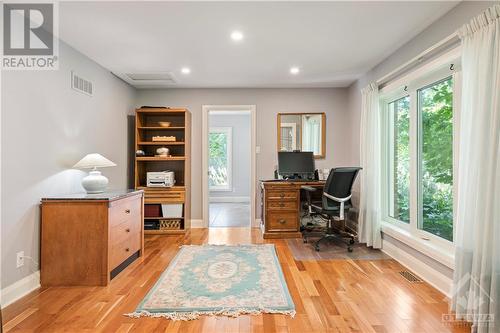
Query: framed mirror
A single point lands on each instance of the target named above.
(302, 131)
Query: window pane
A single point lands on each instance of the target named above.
(399, 159)
(218, 160)
(436, 159)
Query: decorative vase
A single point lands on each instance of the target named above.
(163, 151)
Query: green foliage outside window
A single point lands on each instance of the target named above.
(435, 158)
(217, 165)
(402, 159)
(436, 108)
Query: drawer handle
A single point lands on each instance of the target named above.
(282, 194)
(127, 230)
(127, 211)
(282, 221)
(127, 249)
(282, 204)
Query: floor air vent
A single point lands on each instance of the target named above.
(412, 278)
(81, 85)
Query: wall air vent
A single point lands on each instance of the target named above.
(81, 85)
(148, 79)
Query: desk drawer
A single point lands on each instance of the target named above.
(282, 205)
(121, 251)
(282, 221)
(281, 195)
(120, 232)
(126, 209)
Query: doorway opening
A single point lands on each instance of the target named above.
(229, 171)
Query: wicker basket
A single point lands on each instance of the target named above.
(170, 224)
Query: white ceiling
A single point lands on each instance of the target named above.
(333, 43)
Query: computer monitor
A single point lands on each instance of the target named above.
(296, 164)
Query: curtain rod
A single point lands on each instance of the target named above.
(440, 46)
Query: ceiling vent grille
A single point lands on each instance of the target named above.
(159, 77)
(81, 85)
(148, 79)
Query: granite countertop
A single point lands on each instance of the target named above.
(110, 195)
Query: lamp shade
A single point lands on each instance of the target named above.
(93, 161)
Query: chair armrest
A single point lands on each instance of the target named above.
(339, 200)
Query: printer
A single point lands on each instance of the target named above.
(160, 179)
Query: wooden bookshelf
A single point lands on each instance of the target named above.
(147, 125)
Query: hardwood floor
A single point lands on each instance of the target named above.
(329, 296)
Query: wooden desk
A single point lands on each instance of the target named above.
(280, 208)
(88, 239)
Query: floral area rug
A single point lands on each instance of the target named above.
(219, 280)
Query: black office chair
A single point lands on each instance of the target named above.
(335, 202)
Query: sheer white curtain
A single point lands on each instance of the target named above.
(369, 206)
(477, 241)
(311, 134)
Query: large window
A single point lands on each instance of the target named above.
(418, 119)
(220, 159)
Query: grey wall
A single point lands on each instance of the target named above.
(241, 148)
(46, 128)
(269, 102)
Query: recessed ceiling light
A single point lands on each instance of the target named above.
(294, 70)
(236, 36)
(185, 70)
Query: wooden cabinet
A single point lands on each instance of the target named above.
(281, 208)
(86, 240)
(175, 124)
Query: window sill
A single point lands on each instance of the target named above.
(426, 247)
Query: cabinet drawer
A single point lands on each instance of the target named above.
(121, 251)
(120, 232)
(281, 195)
(282, 221)
(282, 205)
(156, 196)
(126, 209)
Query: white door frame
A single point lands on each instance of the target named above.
(204, 146)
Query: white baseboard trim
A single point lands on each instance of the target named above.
(424, 271)
(19, 289)
(197, 224)
(229, 199)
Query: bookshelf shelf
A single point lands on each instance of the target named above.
(154, 159)
(160, 143)
(161, 128)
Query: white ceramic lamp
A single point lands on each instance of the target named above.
(94, 182)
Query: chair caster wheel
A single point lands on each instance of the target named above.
(316, 248)
(351, 241)
(349, 249)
